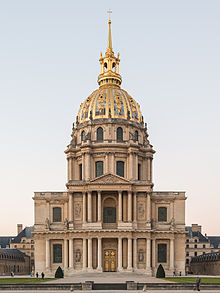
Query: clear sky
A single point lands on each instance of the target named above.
(170, 63)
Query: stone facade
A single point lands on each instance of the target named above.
(13, 260)
(198, 244)
(109, 218)
(24, 241)
(207, 264)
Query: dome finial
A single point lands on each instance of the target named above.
(109, 31)
(109, 64)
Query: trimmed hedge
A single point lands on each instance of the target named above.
(160, 272)
(59, 273)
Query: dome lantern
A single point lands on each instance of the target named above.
(109, 64)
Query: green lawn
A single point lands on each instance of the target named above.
(193, 280)
(14, 280)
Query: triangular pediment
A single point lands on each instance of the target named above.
(110, 179)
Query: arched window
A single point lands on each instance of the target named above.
(98, 168)
(120, 168)
(83, 136)
(162, 214)
(136, 135)
(57, 214)
(100, 134)
(119, 134)
(57, 253)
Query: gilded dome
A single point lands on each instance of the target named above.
(110, 102)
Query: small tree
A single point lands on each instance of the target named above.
(59, 273)
(160, 272)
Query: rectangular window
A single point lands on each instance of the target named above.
(57, 253)
(120, 168)
(80, 171)
(139, 171)
(162, 253)
(57, 215)
(98, 168)
(162, 214)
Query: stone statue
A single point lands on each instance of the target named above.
(47, 223)
(172, 224)
(66, 223)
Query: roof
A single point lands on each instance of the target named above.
(26, 232)
(213, 256)
(5, 240)
(12, 253)
(197, 234)
(215, 241)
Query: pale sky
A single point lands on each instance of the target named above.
(170, 64)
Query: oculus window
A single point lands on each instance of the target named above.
(98, 168)
(100, 134)
(56, 214)
(120, 168)
(57, 253)
(162, 214)
(119, 134)
(162, 253)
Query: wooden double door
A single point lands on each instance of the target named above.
(110, 260)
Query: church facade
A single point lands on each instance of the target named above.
(109, 218)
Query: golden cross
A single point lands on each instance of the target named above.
(109, 11)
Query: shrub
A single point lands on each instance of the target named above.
(59, 273)
(160, 272)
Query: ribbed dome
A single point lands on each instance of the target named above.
(110, 102)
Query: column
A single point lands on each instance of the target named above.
(131, 165)
(129, 206)
(87, 166)
(136, 166)
(71, 207)
(135, 253)
(65, 253)
(107, 163)
(99, 207)
(83, 166)
(129, 254)
(153, 253)
(90, 253)
(171, 254)
(171, 210)
(70, 168)
(148, 169)
(148, 208)
(84, 253)
(89, 206)
(47, 253)
(119, 206)
(148, 254)
(70, 253)
(135, 206)
(84, 207)
(99, 254)
(119, 254)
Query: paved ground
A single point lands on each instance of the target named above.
(112, 291)
(109, 278)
